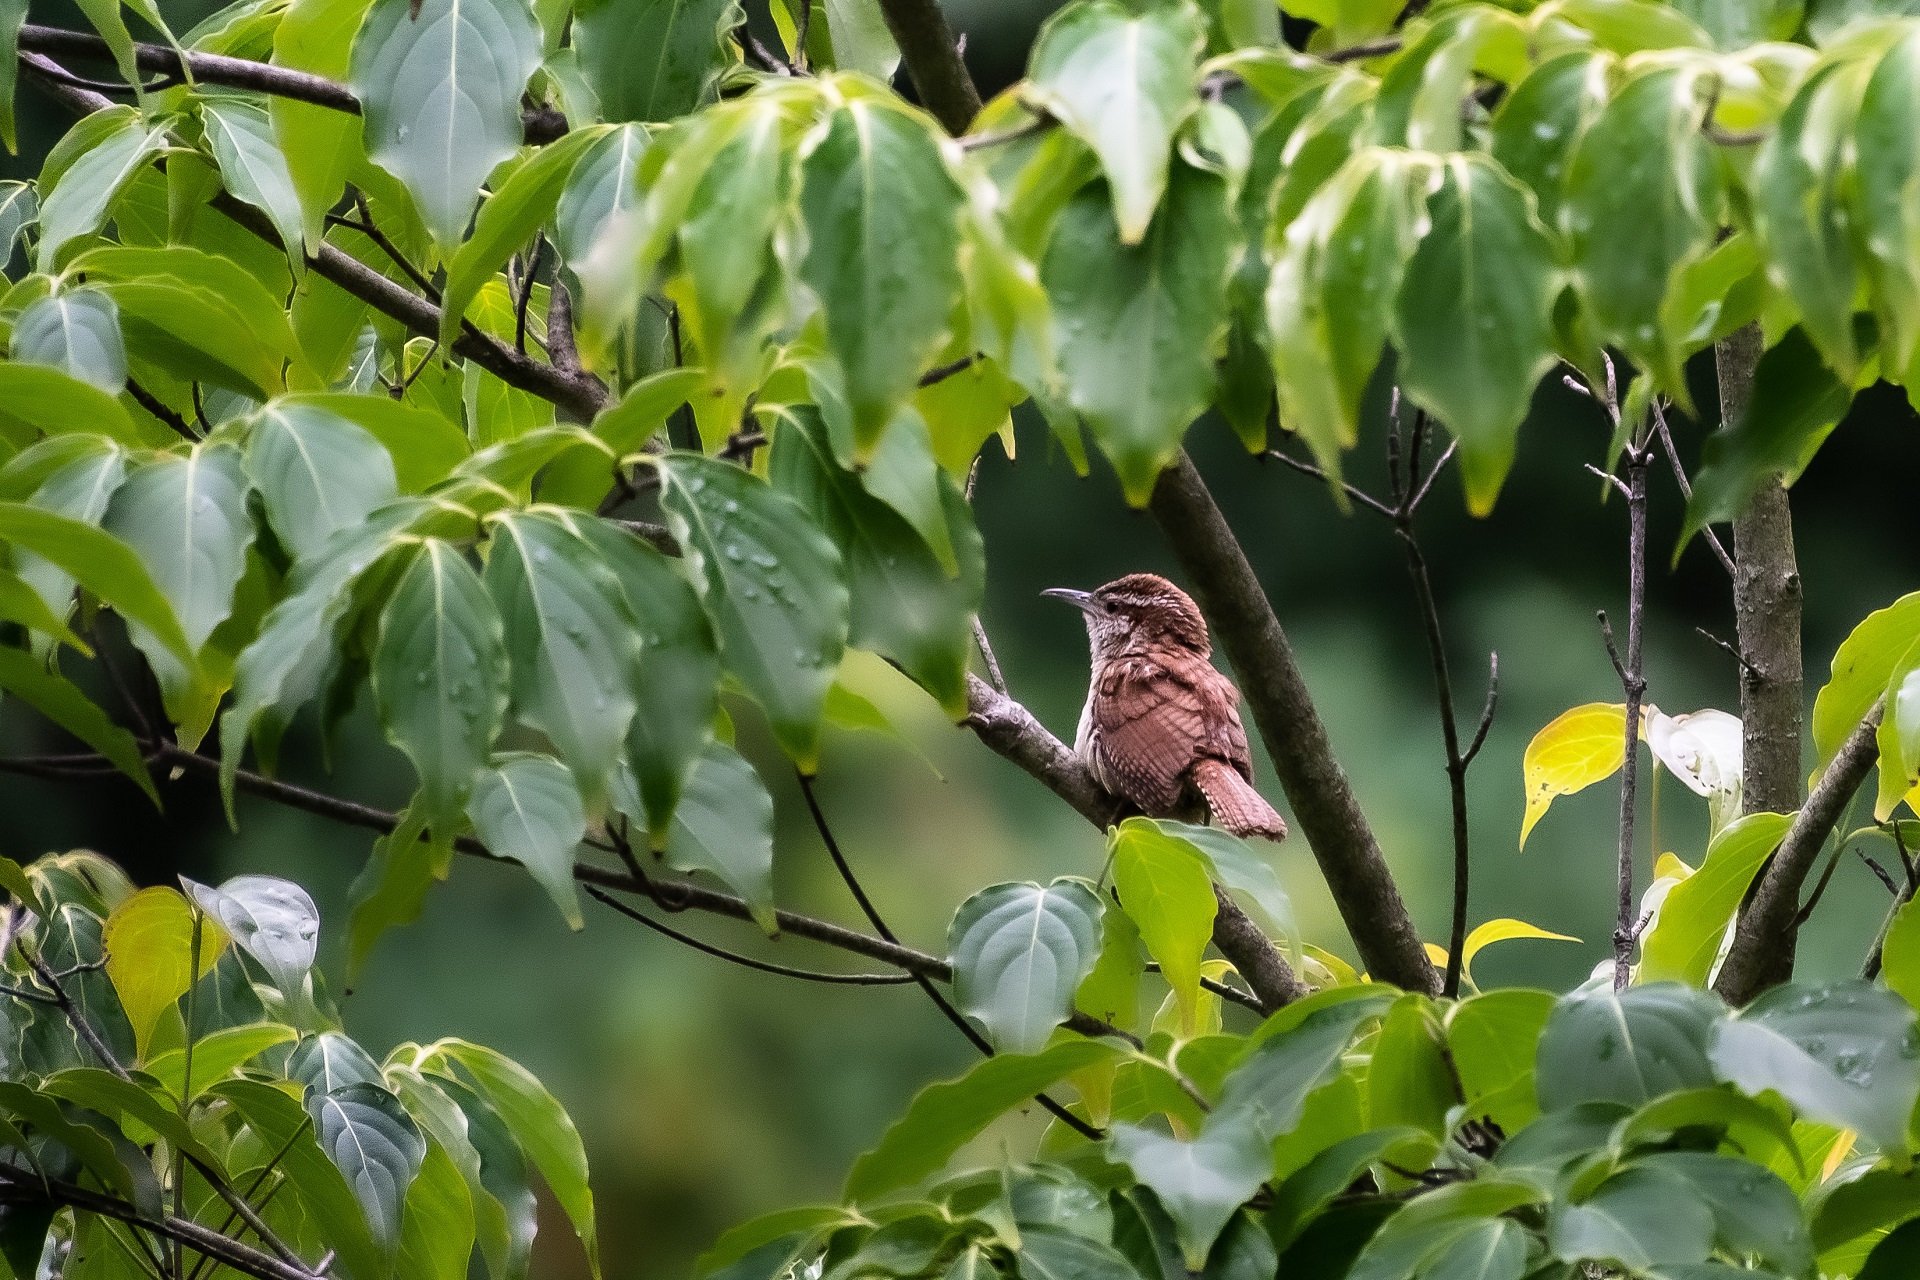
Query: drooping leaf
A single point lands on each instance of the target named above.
(1627, 1046)
(77, 331)
(876, 177)
(1136, 325)
(571, 638)
(1201, 1183)
(1019, 952)
(280, 1124)
(253, 167)
(773, 585)
(1409, 1081)
(103, 565)
(723, 825)
(440, 83)
(61, 701)
(79, 202)
(944, 1116)
(1485, 253)
(1576, 749)
(1164, 886)
(601, 185)
(1122, 82)
(527, 808)
(440, 675)
(1299, 1050)
(651, 59)
(152, 956)
(316, 473)
(320, 145)
(376, 1146)
(1898, 736)
(437, 1228)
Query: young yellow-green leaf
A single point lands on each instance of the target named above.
(723, 825)
(1899, 735)
(440, 675)
(1409, 1081)
(877, 177)
(1019, 953)
(1492, 1038)
(526, 807)
(253, 167)
(53, 402)
(1900, 953)
(773, 584)
(904, 604)
(151, 955)
(1684, 939)
(1474, 319)
(1862, 667)
(102, 564)
(440, 83)
(79, 201)
(316, 473)
(61, 701)
(1137, 324)
(1123, 82)
(1797, 401)
(1644, 190)
(1164, 886)
(321, 145)
(1201, 1183)
(652, 59)
(943, 1117)
(76, 331)
(21, 603)
(1576, 749)
(507, 221)
(437, 1231)
(571, 638)
(1503, 930)
(1238, 866)
(677, 682)
(539, 1126)
(216, 1055)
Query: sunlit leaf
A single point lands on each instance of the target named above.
(1576, 749)
(153, 956)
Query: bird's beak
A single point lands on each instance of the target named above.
(1082, 600)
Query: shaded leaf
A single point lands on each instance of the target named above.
(1019, 952)
(76, 331)
(528, 808)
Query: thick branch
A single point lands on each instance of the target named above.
(933, 60)
(1762, 952)
(540, 124)
(1766, 607)
(1230, 594)
(1010, 730)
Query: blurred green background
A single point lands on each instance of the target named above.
(707, 1094)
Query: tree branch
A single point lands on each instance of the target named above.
(540, 124)
(933, 61)
(1763, 938)
(1230, 595)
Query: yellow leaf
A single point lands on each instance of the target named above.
(1842, 1148)
(1577, 749)
(1436, 956)
(1337, 972)
(1669, 866)
(150, 955)
(1502, 930)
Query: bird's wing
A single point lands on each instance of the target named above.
(1151, 723)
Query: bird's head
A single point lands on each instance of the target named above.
(1139, 612)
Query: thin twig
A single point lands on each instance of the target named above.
(1040, 123)
(940, 373)
(520, 303)
(1665, 436)
(159, 409)
(1731, 652)
(1634, 686)
(748, 962)
(1358, 495)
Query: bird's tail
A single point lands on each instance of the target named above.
(1235, 805)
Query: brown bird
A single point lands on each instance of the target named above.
(1161, 729)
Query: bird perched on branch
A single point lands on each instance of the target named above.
(1161, 729)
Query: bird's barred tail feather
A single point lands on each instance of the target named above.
(1235, 805)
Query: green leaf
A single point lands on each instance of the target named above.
(1797, 401)
(12, 14)
(54, 402)
(78, 332)
(1308, 1191)
(1862, 667)
(1756, 1215)
(1300, 1050)
(102, 564)
(279, 1122)
(773, 585)
(723, 825)
(329, 1062)
(316, 473)
(78, 203)
(1019, 953)
(652, 59)
(1123, 83)
(876, 177)
(440, 675)
(1432, 1229)
(1627, 1046)
(58, 699)
(540, 1126)
(1535, 128)
(1900, 953)
(601, 185)
(440, 84)
(1409, 1078)
(19, 205)
(943, 1117)
(376, 1146)
(903, 602)
(1137, 324)
(1898, 736)
(151, 956)
(1639, 1217)
(253, 167)
(527, 808)
(571, 637)
(1896, 1255)
(1492, 1038)
(430, 1101)
(425, 445)
(1684, 940)
(1844, 1053)
(1882, 202)
(216, 1056)
(1240, 867)
(1201, 1183)
(1057, 1253)
(1644, 190)
(437, 1231)
(1495, 1249)
(1486, 255)
(847, 35)
(321, 146)
(21, 603)
(507, 221)
(1164, 886)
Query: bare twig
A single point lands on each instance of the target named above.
(1730, 651)
(747, 962)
